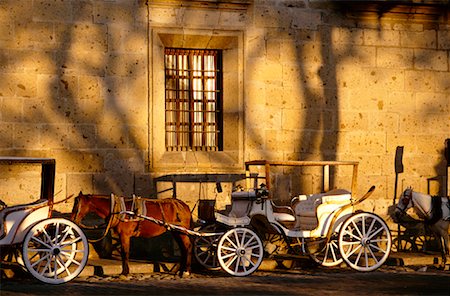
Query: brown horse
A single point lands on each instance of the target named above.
(171, 210)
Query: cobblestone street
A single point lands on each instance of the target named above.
(315, 281)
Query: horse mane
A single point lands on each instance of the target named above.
(436, 210)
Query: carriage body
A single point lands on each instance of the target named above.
(18, 220)
(312, 215)
(53, 250)
(323, 226)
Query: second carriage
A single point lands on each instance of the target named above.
(324, 226)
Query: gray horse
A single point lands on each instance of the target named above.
(434, 211)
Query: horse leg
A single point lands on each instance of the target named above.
(185, 244)
(445, 247)
(125, 253)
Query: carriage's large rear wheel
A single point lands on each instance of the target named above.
(364, 241)
(240, 251)
(55, 251)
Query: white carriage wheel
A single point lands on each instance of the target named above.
(365, 241)
(240, 251)
(205, 249)
(330, 255)
(55, 251)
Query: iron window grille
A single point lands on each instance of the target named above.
(193, 99)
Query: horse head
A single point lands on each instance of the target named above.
(78, 210)
(404, 203)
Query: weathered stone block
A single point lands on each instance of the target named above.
(443, 39)
(424, 81)
(11, 110)
(383, 121)
(126, 65)
(82, 136)
(352, 121)
(6, 130)
(54, 136)
(70, 161)
(342, 35)
(45, 10)
(26, 135)
(418, 39)
(376, 37)
(436, 60)
(433, 102)
(398, 58)
(365, 143)
(200, 18)
(105, 12)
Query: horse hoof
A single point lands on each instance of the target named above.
(184, 273)
(124, 276)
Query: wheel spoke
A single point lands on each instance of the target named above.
(242, 242)
(371, 226)
(352, 235)
(375, 233)
(252, 247)
(231, 242)
(229, 262)
(70, 258)
(354, 250)
(238, 262)
(67, 231)
(46, 267)
(357, 229)
(378, 248)
(366, 256)
(228, 255)
(373, 256)
(34, 238)
(66, 267)
(229, 249)
(363, 226)
(331, 249)
(40, 260)
(358, 257)
(236, 239)
(250, 262)
(345, 243)
(74, 241)
(249, 241)
(44, 231)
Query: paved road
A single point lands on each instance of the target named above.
(316, 281)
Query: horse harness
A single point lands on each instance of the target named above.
(436, 207)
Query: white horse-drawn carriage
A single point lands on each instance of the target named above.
(53, 250)
(323, 226)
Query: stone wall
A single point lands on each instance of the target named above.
(81, 82)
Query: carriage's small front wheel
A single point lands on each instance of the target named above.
(240, 251)
(365, 241)
(205, 248)
(55, 251)
(329, 256)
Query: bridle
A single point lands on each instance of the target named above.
(405, 200)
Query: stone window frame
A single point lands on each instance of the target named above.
(231, 157)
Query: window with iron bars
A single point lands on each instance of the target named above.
(193, 96)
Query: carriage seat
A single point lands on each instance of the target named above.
(283, 213)
(310, 208)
